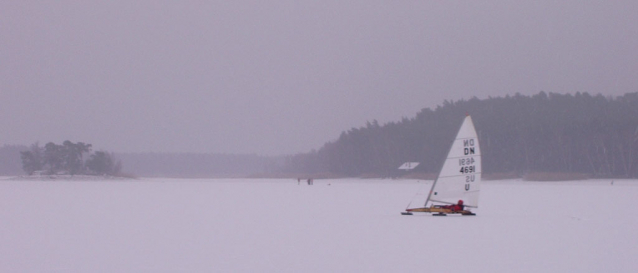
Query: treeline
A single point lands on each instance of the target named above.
(20, 159)
(68, 158)
(581, 133)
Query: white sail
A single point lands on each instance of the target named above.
(460, 176)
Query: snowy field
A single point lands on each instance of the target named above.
(234, 225)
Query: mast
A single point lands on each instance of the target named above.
(443, 165)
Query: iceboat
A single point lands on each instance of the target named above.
(457, 186)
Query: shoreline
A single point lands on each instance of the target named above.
(67, 177)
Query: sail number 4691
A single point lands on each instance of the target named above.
(468, 169)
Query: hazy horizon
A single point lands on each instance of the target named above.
(285, 77)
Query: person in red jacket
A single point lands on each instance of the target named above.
(457, 207)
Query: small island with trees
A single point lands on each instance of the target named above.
(67, 160)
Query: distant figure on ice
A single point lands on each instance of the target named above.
(310, 181)
(298, 181)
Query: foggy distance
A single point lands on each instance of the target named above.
(286, 77)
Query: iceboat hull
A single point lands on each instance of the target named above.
(438, 210)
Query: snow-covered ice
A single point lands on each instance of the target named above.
(349, 225)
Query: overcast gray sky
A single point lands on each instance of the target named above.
(281, 77)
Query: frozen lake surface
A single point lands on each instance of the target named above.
(350, 225)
